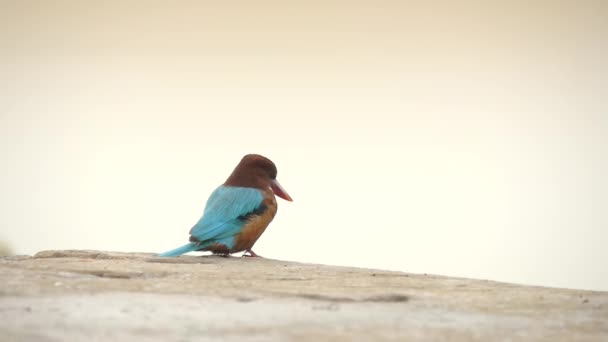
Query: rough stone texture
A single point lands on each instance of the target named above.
(108, 296)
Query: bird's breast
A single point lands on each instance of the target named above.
(255, 224)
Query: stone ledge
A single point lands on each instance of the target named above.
(84, 295)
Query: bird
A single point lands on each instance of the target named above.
(238, 211)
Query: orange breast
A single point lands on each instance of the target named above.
(255, 225)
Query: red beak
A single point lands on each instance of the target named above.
(279, 191)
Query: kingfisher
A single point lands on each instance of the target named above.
(238, 211)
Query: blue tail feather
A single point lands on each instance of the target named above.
(190, 247)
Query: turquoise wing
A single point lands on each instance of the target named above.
(224, 213)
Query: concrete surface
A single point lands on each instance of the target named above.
(110, 296)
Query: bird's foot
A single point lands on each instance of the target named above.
(251, 254)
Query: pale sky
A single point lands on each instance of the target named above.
(459, 139)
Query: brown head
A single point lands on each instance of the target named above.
(255, 171)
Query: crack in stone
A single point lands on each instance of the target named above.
(76, 254)
(388, 298)
(179, 261)
(121, 275)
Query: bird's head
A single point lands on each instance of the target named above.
(256, 171)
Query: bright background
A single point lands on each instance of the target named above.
(456, 138)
